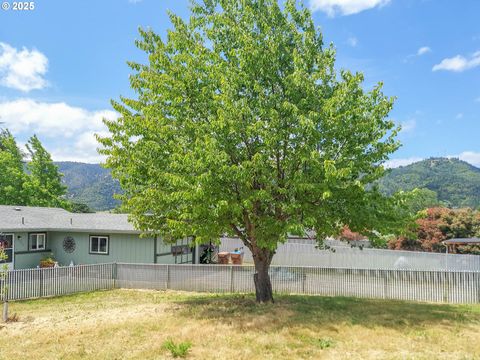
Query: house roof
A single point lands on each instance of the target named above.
(462, 241)
(26, 218)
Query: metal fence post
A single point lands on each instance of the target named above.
(477, 285)
(304, 278)
(385, 285)
(232, 288)
(446, 284)
(168, 277)
(41, 282)
(445, 287)
(115, 275)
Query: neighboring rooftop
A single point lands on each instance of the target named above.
(26, 218)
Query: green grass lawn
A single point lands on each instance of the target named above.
(128, 324)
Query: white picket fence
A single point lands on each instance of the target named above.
(414, 285)
(37, 283)
(304, 254)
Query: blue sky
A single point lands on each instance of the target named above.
(61, 63)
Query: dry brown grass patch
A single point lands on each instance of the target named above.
(128, 324)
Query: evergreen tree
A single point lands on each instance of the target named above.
(12, 176)
(77, 207)
(44, 181)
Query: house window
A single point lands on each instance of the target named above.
(38, 241)
(99, 244)
(182, 251)
(6, 242)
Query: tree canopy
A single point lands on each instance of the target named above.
(44, 181)
(242, 125)
(11, 168)
(437, 224)
(36, 183)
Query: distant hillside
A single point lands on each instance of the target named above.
(90, 184)
(456, 182)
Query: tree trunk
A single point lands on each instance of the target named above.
(263, 285)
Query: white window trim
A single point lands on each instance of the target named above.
(99, 252)
(30, 241)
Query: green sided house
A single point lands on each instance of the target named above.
(29, 234)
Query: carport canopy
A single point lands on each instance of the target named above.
(452, 244)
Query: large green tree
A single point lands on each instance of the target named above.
(421, 199)
(44, 182)
(12, 176)
(242, 125)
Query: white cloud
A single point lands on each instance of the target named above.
(394, 163)
(345, 7)
(84, 149)
(423, 50)
(352, 41)
(22, 69)
(70, 128)
(458, 63)
(50, 119)
(420, 52)
(471, 157)
(408, 125)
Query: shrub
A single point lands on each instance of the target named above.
(325, 343)
(349, 235)
(48, 261)
(177, 350)
(435, 225)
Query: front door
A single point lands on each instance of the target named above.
(6, 241)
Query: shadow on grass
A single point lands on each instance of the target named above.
(319, 312)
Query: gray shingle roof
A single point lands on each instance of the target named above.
(26, 218)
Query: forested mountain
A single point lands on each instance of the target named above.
(90, 184)
(456, 182)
